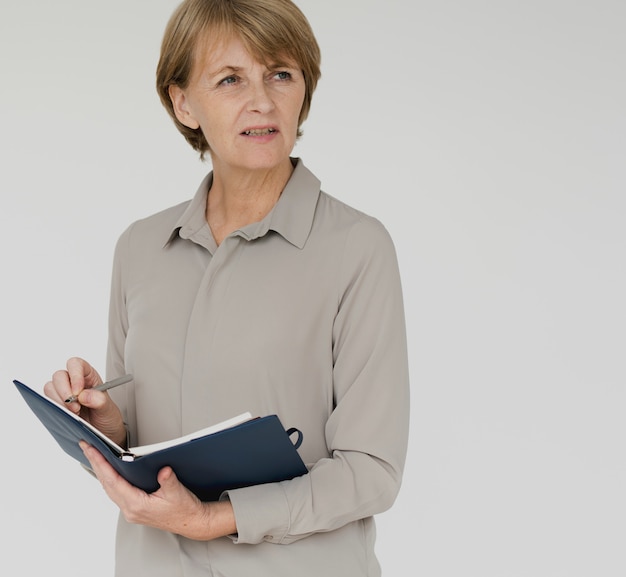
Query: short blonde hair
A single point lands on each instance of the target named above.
(270, 29)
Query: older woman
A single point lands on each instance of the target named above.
(261, 294)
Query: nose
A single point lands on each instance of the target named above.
(260, 98)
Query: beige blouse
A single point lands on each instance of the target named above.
(301, 315)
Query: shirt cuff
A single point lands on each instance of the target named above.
(261, 513)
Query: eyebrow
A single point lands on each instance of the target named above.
(270, 66)
(225, 69)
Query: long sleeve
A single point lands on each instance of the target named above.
(118, 329)
(367, 431)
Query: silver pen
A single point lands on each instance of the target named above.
(104, 386)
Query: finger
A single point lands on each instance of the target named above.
(116, 487)
(166, 477)
(92, 399)
(170, 488)
(82, 375)
(59, 388)
(105, 473)
(92, 455)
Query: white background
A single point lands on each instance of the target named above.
(490, 138)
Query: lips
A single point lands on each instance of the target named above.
(259, 131)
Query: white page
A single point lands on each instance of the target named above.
(146, 449)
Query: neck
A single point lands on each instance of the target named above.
(238, 198)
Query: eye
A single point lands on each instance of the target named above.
(283, 75)
(228, 80)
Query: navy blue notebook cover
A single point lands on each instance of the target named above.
(251, 453)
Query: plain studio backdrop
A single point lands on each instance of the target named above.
(488, 136)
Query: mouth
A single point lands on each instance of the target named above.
(259, 131)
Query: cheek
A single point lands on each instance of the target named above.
(213, 128)
(295, 106)
(300, 104)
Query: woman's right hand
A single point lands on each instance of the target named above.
(96, 407)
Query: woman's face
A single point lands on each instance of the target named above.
(248, 111)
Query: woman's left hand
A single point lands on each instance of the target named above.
(171, 508)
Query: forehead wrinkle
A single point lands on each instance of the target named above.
(213, 41)
(226, 68)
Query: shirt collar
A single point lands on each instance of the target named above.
(291, 217)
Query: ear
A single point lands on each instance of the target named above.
(181, 106)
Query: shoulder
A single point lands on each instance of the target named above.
(155, 229)
(338, 219)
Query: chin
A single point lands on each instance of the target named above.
(265, 161)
